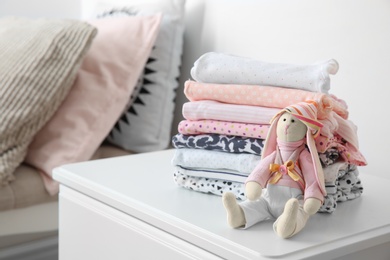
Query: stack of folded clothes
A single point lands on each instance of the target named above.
(231, 103)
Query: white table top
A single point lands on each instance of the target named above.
(142, 185)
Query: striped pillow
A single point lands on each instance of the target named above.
(39, 60)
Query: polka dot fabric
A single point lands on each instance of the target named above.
(188, 127)
(265, 96)
(254, 95)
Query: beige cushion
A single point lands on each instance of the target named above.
(28, 189)
(39, 60)
(108, 150)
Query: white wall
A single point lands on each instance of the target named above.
(41, 8)
(354, 32)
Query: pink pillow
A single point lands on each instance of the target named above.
(101, 91)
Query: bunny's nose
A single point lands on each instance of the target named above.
(286, 128)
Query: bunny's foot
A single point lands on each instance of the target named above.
(235, 215)
(286, 224)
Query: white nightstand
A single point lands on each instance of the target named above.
(129, 208)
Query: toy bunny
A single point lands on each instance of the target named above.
(290, 171)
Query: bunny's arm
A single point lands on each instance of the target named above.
(261, 173)
(312, 188)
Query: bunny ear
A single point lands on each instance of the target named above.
(270, 141)
(318, 171)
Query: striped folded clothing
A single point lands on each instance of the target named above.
(208, 109)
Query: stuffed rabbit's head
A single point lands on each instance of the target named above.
(290, 129)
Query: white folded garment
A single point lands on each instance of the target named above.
(212, 174)
(223, 68)
(199, 159)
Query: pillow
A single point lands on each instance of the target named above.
(146, 124)
(38, 64)
(103, 86)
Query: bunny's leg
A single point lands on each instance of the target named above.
(292, 220)
(235, 215)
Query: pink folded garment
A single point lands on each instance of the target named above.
(266, 96)
(188, 127)
(336, 125)
(208, 109)
(341, 134)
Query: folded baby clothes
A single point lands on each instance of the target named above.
(224, 68)
(231, 103)
(346, 151)
(334, 124)
(218, 174)
(208, 109)
(347, 187)
(209, 185)
(198, 159)
(217, 142)
(265, 96)
(208, 126)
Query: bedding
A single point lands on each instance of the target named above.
(147, 122)
(224, 68)
(39, 59)
(27, 189)
(98, 96)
